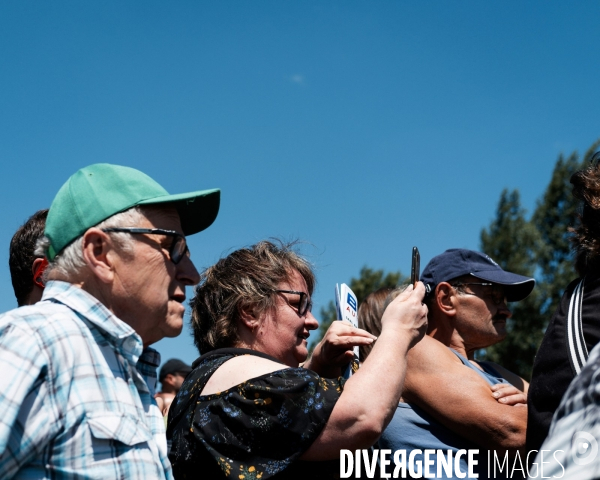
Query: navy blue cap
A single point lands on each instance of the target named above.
(456, 262)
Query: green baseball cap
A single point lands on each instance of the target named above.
(99, 191)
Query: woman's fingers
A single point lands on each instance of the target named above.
(345, 336)
(417, 292)
(407, 310)
(344, 328)
(406, 293)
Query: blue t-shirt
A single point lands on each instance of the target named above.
(412, 428)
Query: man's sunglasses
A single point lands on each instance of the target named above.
(304, 306)
(178, 247)
(496, 292)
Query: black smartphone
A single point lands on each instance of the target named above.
(415, 269)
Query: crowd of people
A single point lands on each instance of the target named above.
(102, 274)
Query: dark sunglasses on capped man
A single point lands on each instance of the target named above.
(178, 247)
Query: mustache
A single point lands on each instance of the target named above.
(499, 317)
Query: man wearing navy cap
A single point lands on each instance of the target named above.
(451, 401)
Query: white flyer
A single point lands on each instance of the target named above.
(347, 309)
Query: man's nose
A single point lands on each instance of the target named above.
(503, 309)
(186, 272)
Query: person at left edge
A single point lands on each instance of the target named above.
(78, 378)
(27, 269)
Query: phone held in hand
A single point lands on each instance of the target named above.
(415, 269)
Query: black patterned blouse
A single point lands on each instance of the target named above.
(255, 430)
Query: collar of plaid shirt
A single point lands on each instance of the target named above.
(120, 335)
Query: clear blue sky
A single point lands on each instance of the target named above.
(363, 128)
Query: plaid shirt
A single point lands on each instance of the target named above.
(572, 446)
(76, 393)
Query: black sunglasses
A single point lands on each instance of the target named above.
(305, 304)
(178, 247)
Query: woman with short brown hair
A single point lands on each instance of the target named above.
(248, 410)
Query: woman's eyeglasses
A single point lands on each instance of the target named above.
(178, 247)
(305, 304)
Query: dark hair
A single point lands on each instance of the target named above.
(586, 235)
(246, 277)
(21, 256)
(370, 312)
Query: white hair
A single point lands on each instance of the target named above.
(70, 262)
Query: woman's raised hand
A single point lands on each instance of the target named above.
(407, 312)
(335, 350)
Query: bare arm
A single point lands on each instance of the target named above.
(160, 402)
(371, 395)
(459, 399)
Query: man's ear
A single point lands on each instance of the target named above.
(35, 264)
(98, 254)
(37, 270)
(445, 298)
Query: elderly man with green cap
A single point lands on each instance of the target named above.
(78, 378)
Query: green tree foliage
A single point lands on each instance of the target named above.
(554, 214)
(538, 247)
(513, 241)
(367, 282)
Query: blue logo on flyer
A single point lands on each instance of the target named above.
(351, 301)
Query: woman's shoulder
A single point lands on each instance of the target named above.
(239, 369)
